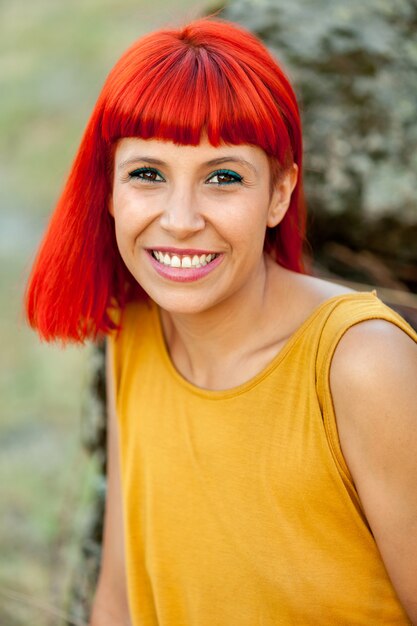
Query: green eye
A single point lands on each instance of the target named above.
(224, 177)
(147, 174)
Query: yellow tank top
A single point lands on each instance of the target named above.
(239, 509)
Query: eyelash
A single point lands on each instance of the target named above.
(137, 174)
(236, 178)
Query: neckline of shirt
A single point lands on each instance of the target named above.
(221, 394)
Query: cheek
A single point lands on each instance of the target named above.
(127, 233)
(129, 218)
(123, 228)
(127, 229)
(248, 224)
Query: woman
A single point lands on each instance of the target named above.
(262, 423)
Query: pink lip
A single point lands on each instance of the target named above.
(183, 275)
(182, 251)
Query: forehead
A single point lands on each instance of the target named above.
(131, 149)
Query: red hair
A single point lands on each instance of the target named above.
(209, 76)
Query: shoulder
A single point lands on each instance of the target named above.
(373, 382)
(309, 291)
(373, 378)
(372, 353)
(134, 334)
(373, 373)
(302, 295)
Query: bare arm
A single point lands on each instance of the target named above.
(374, 386)
(110, 607)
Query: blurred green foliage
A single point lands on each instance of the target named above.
(54, 57)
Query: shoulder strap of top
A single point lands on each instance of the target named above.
(344, 314)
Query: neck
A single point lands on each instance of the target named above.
(207, 348)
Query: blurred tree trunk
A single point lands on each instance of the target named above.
(354, 68)
(94, 442)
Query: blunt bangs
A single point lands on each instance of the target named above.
(179, 88)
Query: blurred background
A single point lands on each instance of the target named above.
(54, 57)
(354, 67)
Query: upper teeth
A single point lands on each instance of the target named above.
(187, 261)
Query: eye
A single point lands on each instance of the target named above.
(147, 174)
(224, 177)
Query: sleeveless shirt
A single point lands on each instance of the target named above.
(239, 508)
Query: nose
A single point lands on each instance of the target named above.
(181, 216)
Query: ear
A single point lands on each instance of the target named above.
(281, 196)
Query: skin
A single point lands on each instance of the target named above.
(374, 367)
(373, 382)
(186, 208)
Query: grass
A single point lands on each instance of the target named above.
(54, 57)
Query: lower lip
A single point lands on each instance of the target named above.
(184, 275)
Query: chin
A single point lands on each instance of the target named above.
(184, 305)
(182, 301)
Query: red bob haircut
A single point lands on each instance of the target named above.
(210, 77)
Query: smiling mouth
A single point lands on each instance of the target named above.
(183, 261)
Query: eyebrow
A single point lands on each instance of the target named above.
(137, 158)
(232, 159)
(219, 161)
